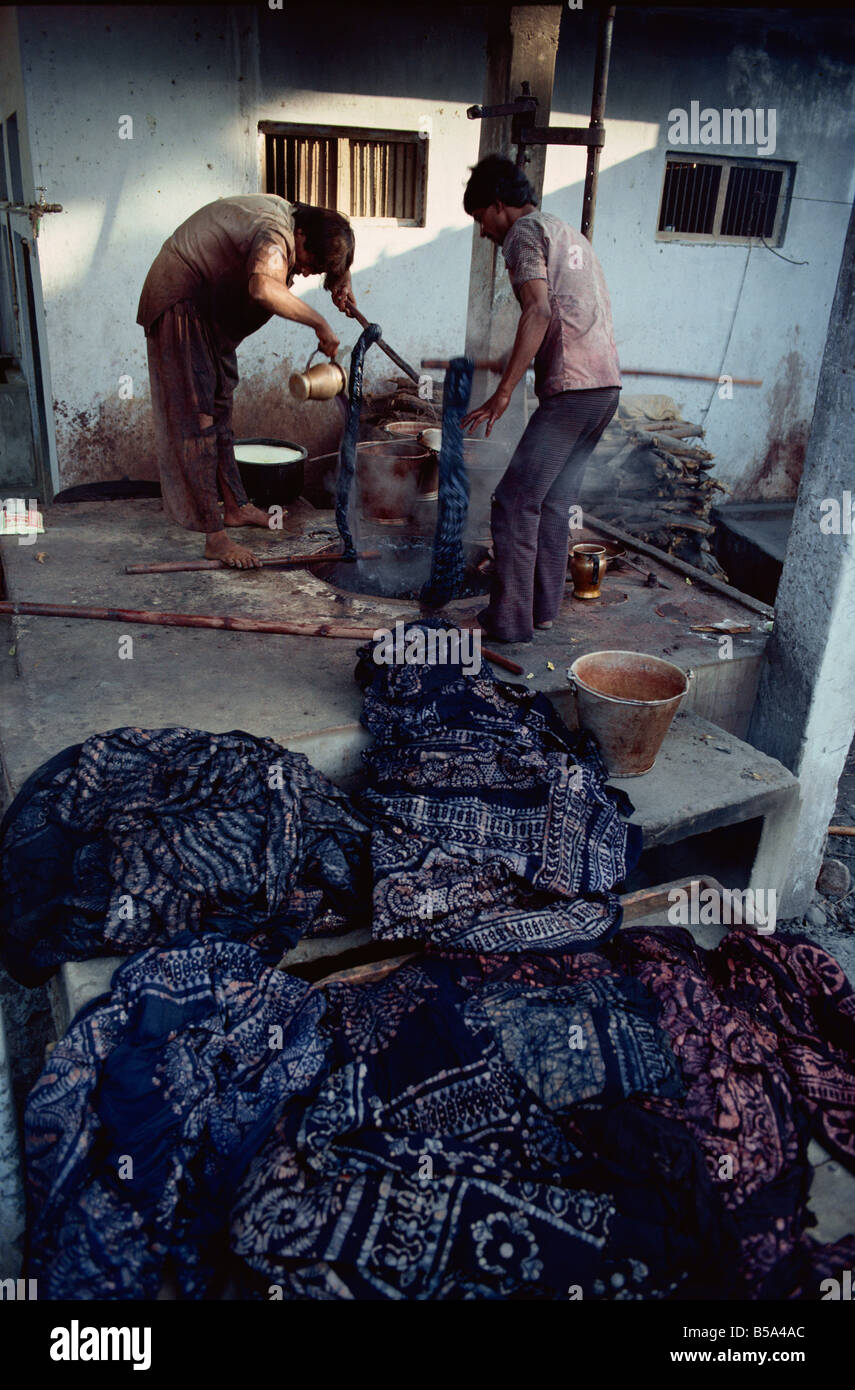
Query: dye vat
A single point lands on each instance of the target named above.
(399, 570)
(391, 476)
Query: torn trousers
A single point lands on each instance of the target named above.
(193, 375)
(530, 512)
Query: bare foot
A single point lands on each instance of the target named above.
(218, 546)
(247, 515)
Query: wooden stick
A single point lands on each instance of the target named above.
(690, 571)
(841, 830)
(271, 562)
(225, 622)
(689, 376)
(354, 313)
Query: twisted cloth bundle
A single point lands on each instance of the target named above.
(448, 565)
(347, 453)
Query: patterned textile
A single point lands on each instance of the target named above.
(764, 1031)
(148, 1111)
(448, 562)
(136, 836)
(347, 452)
(404, 1139)
(492, 826)
(503, 1126)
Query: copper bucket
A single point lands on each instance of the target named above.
(627, 700)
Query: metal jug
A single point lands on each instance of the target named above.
(318, 383)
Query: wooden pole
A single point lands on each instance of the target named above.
(384, 347)
(272, 562)
(690, 571)
(689, 376)
(224, 622)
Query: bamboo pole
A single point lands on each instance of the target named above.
(225, 622)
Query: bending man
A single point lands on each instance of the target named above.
(566, 326)
(218, 278)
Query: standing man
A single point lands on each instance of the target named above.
(566, 326)
(218, 278)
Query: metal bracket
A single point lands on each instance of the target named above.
(593, 135)
(35, 211)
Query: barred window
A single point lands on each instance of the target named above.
(724, 200)
(377, 174)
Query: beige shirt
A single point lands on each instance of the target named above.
(578, 352)
(210, 257)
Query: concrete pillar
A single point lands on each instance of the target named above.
(804, 714)
(522, 41)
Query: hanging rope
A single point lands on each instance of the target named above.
(347, 453)
(449, 565)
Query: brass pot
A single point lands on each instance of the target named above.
(319, 383)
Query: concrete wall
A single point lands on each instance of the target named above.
(197, 80)
(28, 456)
(705, 308)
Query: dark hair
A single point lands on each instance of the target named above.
(497, 179)
(329, 240)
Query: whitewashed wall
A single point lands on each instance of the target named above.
(197, 81)
(676, 305)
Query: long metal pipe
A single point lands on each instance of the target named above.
(598, 107)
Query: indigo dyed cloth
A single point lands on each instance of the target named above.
(148, 1111)
(492, 825)
(137, 836)
(404, 1139)
(448, 563)
(347, 452)
(503, 1126)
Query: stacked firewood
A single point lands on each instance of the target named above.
(402, 402)
(647, 478)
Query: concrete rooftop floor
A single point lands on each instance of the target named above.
(63, 678)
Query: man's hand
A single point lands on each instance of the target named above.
(343, 297)
(327, 341)
(487, 414)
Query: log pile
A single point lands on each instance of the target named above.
(646, 477)
(402, 402)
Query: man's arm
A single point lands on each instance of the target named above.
(267, 285)
(531, 331)
(273, 294)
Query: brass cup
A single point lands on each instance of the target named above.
(587, 566)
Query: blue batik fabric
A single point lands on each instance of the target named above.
(454, 1130)
(347, 452)
(492, 824)
(148, 1112)
(139, 835)
(448, 562)
(434, 1161)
